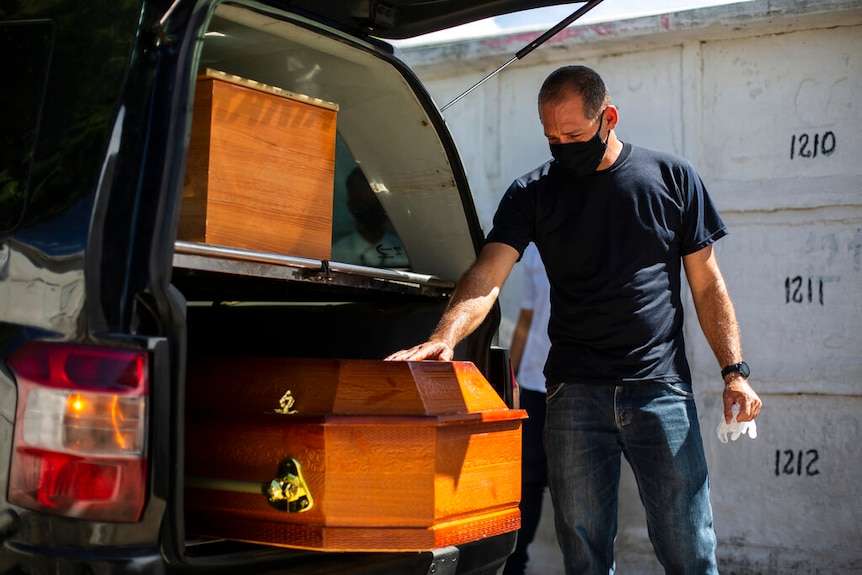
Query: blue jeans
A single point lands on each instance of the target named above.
(655, 427)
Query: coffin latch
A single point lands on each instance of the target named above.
(289, 491)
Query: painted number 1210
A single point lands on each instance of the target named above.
(812, 145)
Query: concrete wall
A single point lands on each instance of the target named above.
(765, 98)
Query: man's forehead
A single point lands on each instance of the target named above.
(564, 111)
(561, 94)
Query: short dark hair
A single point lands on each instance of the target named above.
(580, 80)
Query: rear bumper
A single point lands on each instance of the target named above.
(17, 558)
(485, 557)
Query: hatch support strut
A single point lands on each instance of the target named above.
(530, 47)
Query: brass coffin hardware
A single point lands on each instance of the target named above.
(286, 404)
(288, 491)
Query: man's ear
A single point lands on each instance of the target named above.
(612, 116)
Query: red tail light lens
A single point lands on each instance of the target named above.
(86, 487)
(80, 433)
(81, 367)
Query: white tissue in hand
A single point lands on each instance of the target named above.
(736, 428)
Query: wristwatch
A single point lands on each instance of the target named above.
(740, 368)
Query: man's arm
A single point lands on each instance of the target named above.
(476, 292)
(718, 322)
(519, 338)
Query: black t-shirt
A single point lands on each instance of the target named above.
(612, 244)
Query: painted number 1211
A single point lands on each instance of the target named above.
(799, 290)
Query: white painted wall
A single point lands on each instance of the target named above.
(743, 91)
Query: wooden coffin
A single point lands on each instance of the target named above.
(260, 169)
(349, 455)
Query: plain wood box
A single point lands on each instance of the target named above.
(260, 169)
(393, 456)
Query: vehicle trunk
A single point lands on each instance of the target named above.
(248, 304)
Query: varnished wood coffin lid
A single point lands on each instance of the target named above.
(398, 456)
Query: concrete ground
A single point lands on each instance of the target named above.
(545, 556)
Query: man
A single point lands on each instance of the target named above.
(530, 345)
(615, 224)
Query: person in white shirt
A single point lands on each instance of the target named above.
(529, 350)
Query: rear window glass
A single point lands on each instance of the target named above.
(25, 49)
(362, 232)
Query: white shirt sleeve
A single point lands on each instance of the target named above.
(536, 296)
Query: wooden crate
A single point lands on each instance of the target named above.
(260, 169)
(394, 456)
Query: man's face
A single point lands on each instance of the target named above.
(564, 121)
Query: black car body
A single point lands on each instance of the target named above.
(98, 297)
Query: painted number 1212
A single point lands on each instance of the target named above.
(800, 463)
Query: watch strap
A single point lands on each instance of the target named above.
(740, 368)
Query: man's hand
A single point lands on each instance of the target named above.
(740, 392)
(474, 296)
(429, 350)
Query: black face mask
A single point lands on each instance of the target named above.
(581, 158)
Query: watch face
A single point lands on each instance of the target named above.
(744, 369)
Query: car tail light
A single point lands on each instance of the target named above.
(80, 431)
